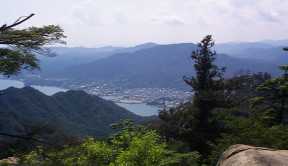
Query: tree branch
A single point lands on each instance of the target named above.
(20, 20)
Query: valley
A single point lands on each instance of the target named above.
(147, 75)
(143, 83)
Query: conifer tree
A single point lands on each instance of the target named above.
(208, 83)
(192, 122)
(19, 47)
(273, 98)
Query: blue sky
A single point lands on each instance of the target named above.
(92, 23)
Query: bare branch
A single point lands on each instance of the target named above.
(19, 21)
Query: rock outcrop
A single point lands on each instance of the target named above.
(243, 155)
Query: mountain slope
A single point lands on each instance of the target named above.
(159, 66)
(257, 51)
(72, 56)
(72, 113)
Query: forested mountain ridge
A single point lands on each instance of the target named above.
(71, 113)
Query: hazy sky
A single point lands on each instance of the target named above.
(127, 22)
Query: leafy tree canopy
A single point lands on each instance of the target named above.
(132, 146)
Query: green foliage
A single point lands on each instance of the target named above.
(122, 139)
(130, 147)
(13, 61)
(91, 152)
(207, 73)
(183, 159)
(248, 131)
(99, 153)
(33, 37)
(272, 99)
(143, 151)
(23, 46)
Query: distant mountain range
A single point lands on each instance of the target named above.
(270, 52)
(72, 113)
(63, 57)
(165, 65)
(154, 65)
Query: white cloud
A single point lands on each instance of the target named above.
(169, 20)
(122, 22)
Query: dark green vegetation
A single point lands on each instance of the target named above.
(246, 109)
(55, 120)
(132, 146)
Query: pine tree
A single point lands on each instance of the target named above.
(192, 122)
(208, 83)
(273, 98)
(22, 45)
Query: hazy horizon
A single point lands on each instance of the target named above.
(267, 41)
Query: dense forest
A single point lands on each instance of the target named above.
(249, 109)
